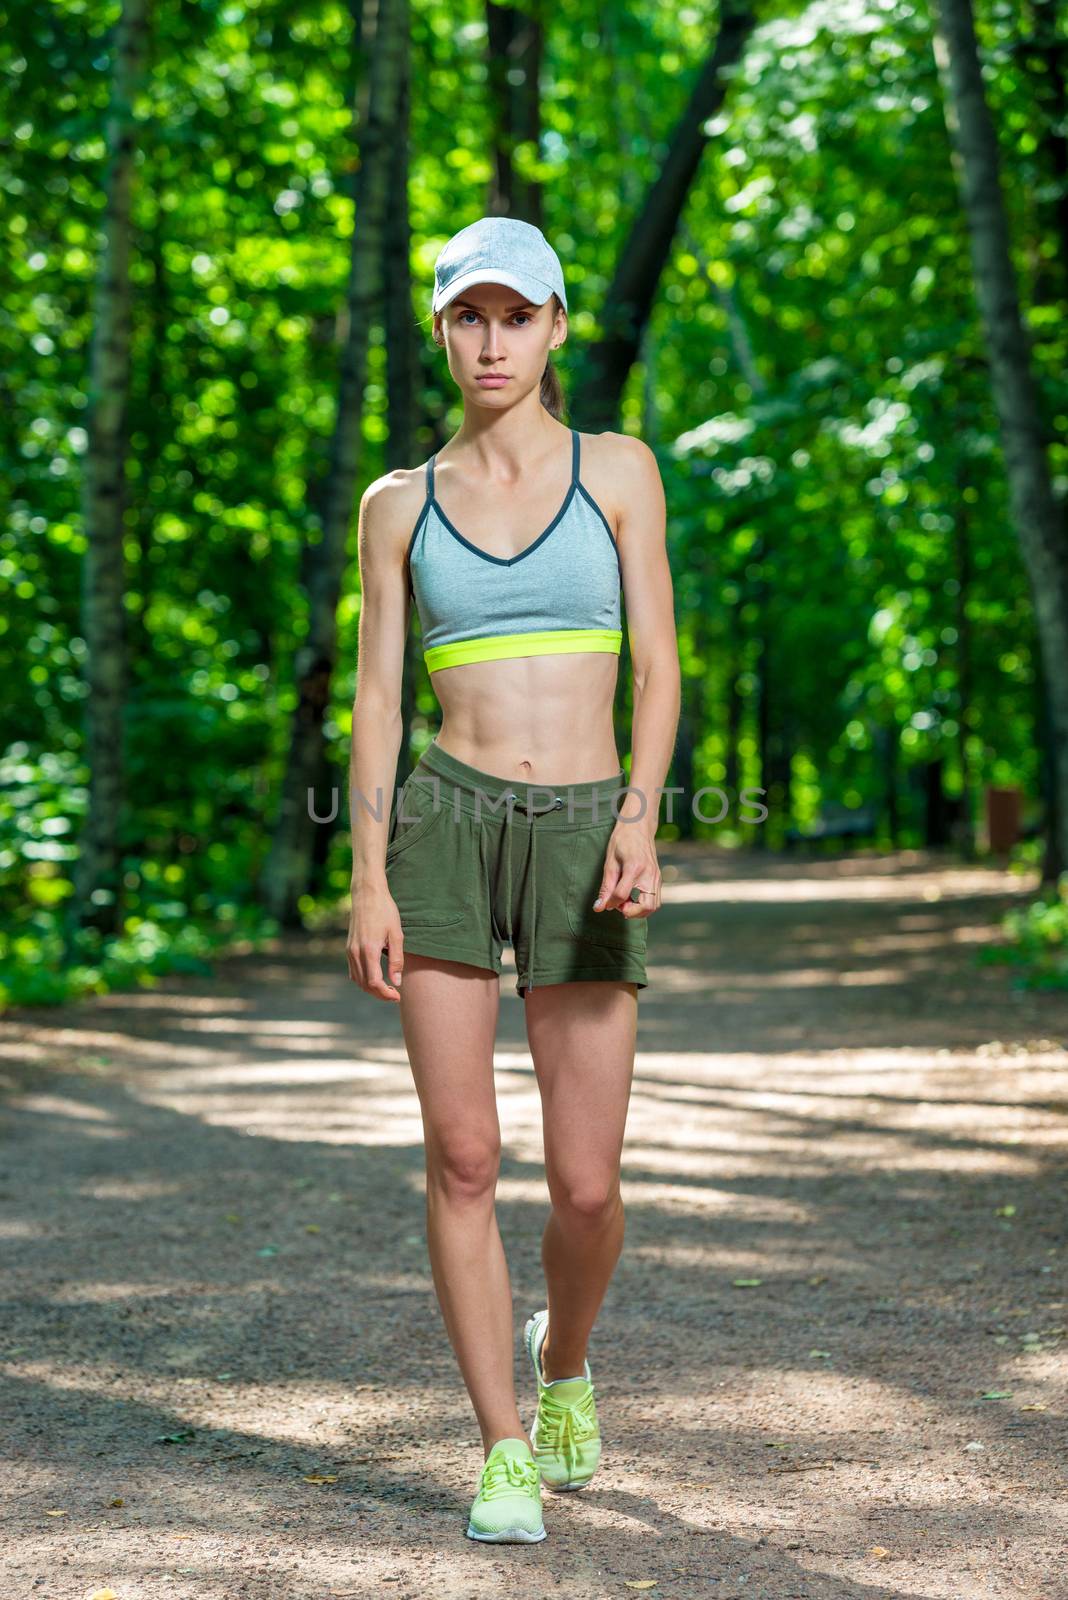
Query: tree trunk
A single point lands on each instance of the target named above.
(1053, 862)
(762, 675)
(885, 739)
(734, 652)
(1039, 520)
(403, 378)
(285, 874)
(969, 787)
(935, 805)
(683, 760)
(515, 41)
(97, 876)
(604, 366)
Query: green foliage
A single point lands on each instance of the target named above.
(181, 908)
(35, 969)
(1037, 940)
(813, 381)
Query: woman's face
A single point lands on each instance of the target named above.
(497, 342)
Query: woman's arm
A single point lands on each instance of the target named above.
(654, 652)
(377, 726)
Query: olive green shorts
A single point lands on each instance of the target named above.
(475, 862)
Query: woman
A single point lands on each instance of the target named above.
(516, 826)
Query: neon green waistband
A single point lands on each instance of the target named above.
(498, 646)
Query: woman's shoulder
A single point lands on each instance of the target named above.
(612, 450)
(396, 488)
(390, 504)
(616, 468)
(390, 507)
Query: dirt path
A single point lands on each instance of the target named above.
(225, 1370)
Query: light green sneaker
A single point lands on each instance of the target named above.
(507, 1507)
(566, 1437)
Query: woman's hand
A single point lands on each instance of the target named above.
(629, 862)
(374, 926)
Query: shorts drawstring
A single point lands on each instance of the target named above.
(554, 805)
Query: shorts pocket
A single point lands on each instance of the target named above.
(428, 865)
(414, 815)
(609, 927)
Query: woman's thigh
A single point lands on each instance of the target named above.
(449, 1021)
(582, 1038)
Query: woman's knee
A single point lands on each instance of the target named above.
(590, 1197)
(465, 1167)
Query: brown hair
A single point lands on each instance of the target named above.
(552, 394)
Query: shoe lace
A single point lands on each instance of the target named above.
(505, 1474)
(563, 1426)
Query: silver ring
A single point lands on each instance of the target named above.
(635, 892)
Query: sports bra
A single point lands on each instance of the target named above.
(560, 594)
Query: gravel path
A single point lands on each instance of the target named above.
(830, 1365)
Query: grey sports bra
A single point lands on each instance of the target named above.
(560, 594)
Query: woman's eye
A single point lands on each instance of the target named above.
(465, 314)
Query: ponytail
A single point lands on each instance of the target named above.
(552, 394)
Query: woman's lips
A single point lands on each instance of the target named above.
(492, 381)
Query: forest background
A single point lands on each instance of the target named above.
(816, 257)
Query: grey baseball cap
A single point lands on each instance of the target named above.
(499, 250)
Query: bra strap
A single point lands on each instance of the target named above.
(574, 456)
(429, 497)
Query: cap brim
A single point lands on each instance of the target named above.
(532, 289)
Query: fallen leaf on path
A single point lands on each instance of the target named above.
(746, 1283)
(640, 1583)
(879, 1550)
(997, 1394)
(319, 1477)
(55, 1513)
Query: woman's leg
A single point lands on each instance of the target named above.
(582, 1037)
(449, 1020)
